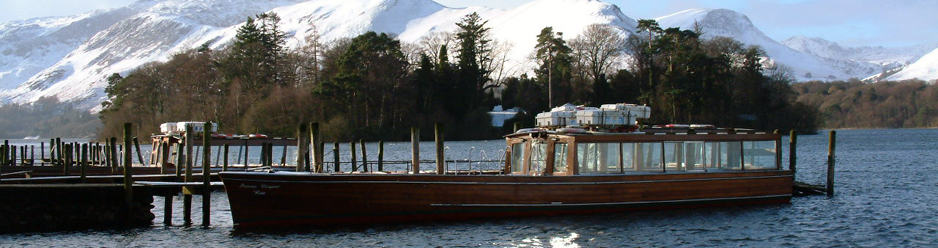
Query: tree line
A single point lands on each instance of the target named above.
(47, 117)
(374, 87)
(855, 104)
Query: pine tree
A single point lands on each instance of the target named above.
(474, 51)
(556, 65)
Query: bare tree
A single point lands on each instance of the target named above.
(430, 44)
(311, 56)
(598, 48)
(499, 71)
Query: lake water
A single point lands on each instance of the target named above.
(885, 197)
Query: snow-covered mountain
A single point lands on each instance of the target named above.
(889, 60)
(728, 23)
(925, 68)
(70, 57)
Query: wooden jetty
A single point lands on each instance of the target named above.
(168, 172)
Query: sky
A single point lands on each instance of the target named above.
(889, 23)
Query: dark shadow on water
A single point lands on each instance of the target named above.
(614, 219)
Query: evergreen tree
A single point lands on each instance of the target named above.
(474, 52)
(555, 66)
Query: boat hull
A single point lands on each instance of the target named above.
(315, 199)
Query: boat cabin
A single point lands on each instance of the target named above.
(563, 153)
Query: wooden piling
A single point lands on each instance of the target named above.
(164, 156)
(415, 149)
(354, 158)
(180, 161)
(167, 210)
(114, 157)
(107, 153)
(831, 146)
(187, 195)
(317, 147)
(128, 165)
(83, 167)
(335, 156)
(58, 152)
(66, 159)
(380, 155)
(42, 153)
(139, 154)
(364, 156)
(302, 145)
(3, 153)
(225, 160)
(438, 138)
(13, 152)
(206, 174)
(792, 153)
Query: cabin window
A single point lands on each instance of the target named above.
(629, 162)
(648, 156)
(593, 158)
(674, 156)
(695, 156)
(707, 155)
(517, 157)
(538, 158)
(731, 155)
(759, 155)
(560, 157)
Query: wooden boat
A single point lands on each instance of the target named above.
(546, 172)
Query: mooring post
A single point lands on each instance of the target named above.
(139, 154)
(12, 150)
(66, 159)
(354, 158)
(438, 134)
(107, 153)
(84, 162)
(164, 156)
(335, 156)
(58, 151)
(302, 145)
(831, 146)
(4, 153)
(42, 153)
(128, 165)
(180, 161)
(380, 155)
(114, 163)
(792, 153)
(225, 160)
(52, 152)
(364, 156)
(317, 147)
(168, 210)
(415, 149)
(206, 174)
(187, 194)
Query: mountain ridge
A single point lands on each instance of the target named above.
(72, 64)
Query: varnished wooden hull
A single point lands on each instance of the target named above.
(276, 199)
